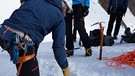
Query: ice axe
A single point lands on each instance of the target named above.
(101, 39)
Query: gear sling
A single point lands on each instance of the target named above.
(20, 48)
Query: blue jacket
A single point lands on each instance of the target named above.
(37, 18)
(57, 3)
(118, 3)
(29, 21)
(22, 0)
(85, 2)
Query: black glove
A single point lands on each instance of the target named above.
(108, 11)
(124, 10)
(85, 11)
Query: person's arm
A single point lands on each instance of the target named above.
(87, 3)
(86, 7)
(109, 6)
(125, 5)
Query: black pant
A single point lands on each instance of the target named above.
(69, 34)
(116, 14)
(74, 33)
(30, 67)
(79, 24)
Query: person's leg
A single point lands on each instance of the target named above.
(36, 49)
(74, 33)
(117, 26)
(110, 24)
(69, 36)
(79, 22)
(80, 25)
(29, 68)
(29, 64)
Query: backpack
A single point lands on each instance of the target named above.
(108, 40)
(95, 36)
(128, 36)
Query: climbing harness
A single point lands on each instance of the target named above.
(17, 46)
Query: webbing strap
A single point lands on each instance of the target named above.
(21, 63)
(4, 33)
(5, 44)
(26, 58)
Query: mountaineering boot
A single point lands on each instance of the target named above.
(88, 52)
(69, 53)
(66, 72)
(115, 37)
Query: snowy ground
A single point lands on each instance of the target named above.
(79, 64)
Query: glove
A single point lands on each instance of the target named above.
(66, 71)
(85, 11)
(124, 10)
(108, 11)
(22, 3)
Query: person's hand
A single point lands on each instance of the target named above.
(85, 11)
(64, 9)
(124, 10)
(22, 3)
(66, 71)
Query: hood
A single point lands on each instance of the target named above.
(56, 3)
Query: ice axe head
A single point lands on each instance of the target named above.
(97, 23)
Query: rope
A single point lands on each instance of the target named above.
(123, 61)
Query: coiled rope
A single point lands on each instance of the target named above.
(123, 61)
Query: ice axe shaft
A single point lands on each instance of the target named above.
(101, 41)
(101, 37)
